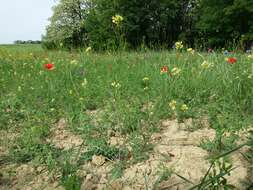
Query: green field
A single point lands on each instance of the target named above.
(99, 116)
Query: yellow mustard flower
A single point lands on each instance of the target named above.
(73, 62)
(117, 19)
(184, 108)
(115, 84)
(175, 71)
(145, 79)
(84, 83)
(206, 65)
(190, 50)
(173, 104)
(250, 56)
(179, 45)
(88, 49)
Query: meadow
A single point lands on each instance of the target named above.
(125, 120)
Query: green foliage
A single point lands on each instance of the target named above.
(224, 22)
(69, 179)
(100, 147)
(66, 27)
(151, 23)
(33, 99)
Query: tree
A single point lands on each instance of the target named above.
(148, 21)
(222, 22)
(67, 24)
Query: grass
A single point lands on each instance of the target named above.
(129, 91)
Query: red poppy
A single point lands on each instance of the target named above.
(231, 60)
(49, 66)
(164, 69)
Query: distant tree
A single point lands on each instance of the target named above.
(155, 23)
(67, 24)
(224, 21)
(27, 42)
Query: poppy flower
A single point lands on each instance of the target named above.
(231, 60)
(164, 69)
(49, 66)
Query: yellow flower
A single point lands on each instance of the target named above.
(115, 84)
(179, 45)
(84, 83)
(190, 50)
(206, 65)
(73, 62)
(173, 104)
(250, 56)
(88, 49)
(145, 79)
(184, 108)
(175, 71)
(117, 19)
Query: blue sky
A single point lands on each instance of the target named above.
(24, 19)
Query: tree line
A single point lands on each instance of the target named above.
(27, 42)
(152, 23)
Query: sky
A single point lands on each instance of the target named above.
(24, 19)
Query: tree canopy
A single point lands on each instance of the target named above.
(154, 23)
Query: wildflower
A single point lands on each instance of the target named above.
(88, 49)
(49, 66)
(250, 56)
(175, 71)
(164, 69)
(117, 19)
(145, 79)
(206, 65)
(73, 62)
(115, 84)
(184, 108)
(173, 104)
(145, 89)
(190, 50)
(118, 85)
(231, 60)
(179, 45)
(84, 83)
